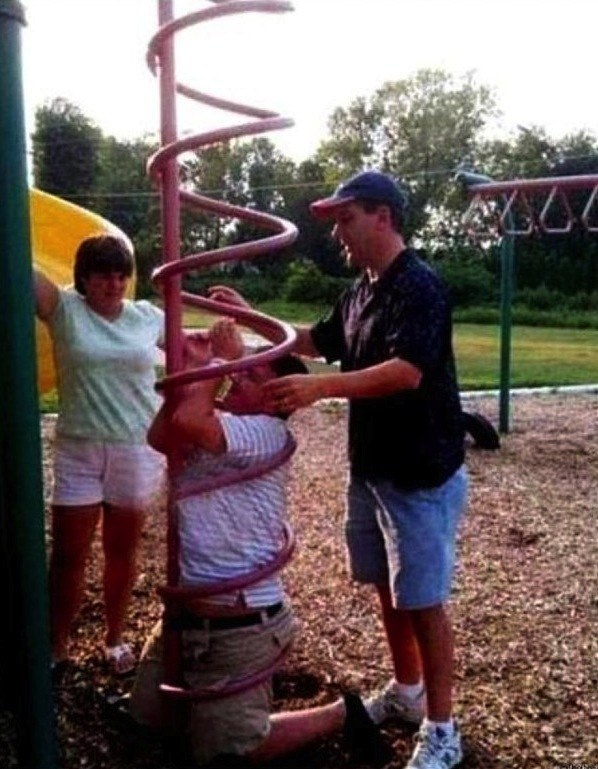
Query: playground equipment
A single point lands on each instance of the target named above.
(21, 498)
(25, 675)
(57, 229)
(164, 170)
(520, 208)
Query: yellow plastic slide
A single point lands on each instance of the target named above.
(57, 229)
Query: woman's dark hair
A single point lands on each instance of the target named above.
(103, 254)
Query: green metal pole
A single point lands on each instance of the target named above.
(471, 179)
(20, 451)
(507, 248)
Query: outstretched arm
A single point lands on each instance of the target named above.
(192, 420)
(304, 344)
(195, 421)
(373, 382)
(161, 435)
(190, 423)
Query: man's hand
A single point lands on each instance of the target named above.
(226, 339)
(293, 392)
(227, 295)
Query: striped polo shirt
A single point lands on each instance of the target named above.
(233, 530)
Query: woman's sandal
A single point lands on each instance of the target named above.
(120, 659)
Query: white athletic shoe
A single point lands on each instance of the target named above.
(391, 704)
(436, 749)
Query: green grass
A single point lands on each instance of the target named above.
(539, 356)
(292, 312)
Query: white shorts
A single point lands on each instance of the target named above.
(120, 474)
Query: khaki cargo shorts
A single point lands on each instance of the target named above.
(235, 724)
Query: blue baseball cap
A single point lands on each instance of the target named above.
(367, 185)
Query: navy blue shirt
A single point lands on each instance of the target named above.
(412, 437)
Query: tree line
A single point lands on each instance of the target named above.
(419, 129)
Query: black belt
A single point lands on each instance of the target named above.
(187, 620)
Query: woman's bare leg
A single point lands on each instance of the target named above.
(122, 529)
(73, 528)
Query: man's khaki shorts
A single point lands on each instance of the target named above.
(235, 724)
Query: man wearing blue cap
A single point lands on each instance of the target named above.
(391, 331)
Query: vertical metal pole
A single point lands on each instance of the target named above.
(506, 297)
(20, 452)
(507, 247)
(171, 236)
(169, 189)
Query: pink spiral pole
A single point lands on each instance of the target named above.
(163, 168)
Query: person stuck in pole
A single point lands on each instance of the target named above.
(224, 533)
(105, 349)
(391, 331)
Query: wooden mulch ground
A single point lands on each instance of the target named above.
(525, 606)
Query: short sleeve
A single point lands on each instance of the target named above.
(155, 316)
(254, 437)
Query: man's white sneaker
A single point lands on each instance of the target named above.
(391, 704)
(436, 749)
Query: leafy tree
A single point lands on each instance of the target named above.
(305, 283)
(553, 262)
(261, 174)
(470, 282)
(576, 252)
(411, 128)
(576, 154)
(252, 174)
(205, 173)
(65, 149)
(124, 195)
(528, 154)
(355, 137)
(420, 129)
(314, 241)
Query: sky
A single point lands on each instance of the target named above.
(537, 55)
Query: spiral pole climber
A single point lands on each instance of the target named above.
(163, 167)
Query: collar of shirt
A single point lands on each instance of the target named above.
(399, 264)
